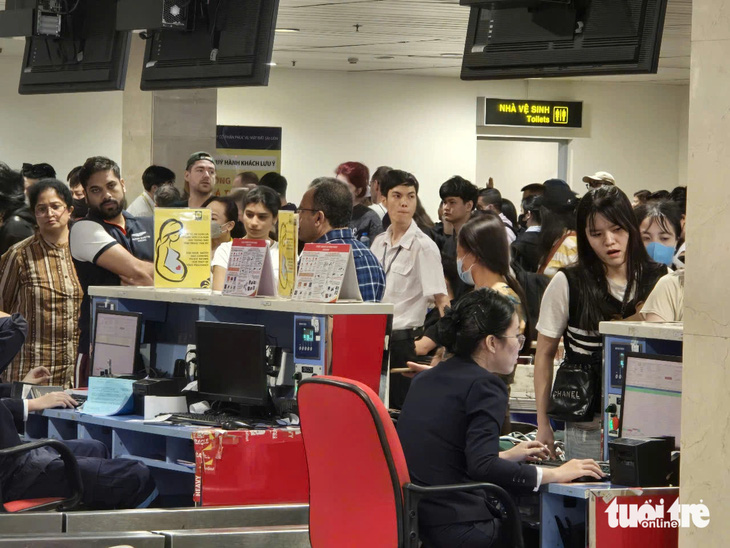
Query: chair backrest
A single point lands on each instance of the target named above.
(355, 462)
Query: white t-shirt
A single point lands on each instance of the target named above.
(379, 209)
(223, 254)
(511, 236)
(413, 274)
(142, 206)
(667, 298)
(88, 240)
(554, 308)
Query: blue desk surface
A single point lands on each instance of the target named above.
(125, 422)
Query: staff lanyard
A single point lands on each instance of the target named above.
(400, 248)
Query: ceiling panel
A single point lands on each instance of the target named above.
(412, 37)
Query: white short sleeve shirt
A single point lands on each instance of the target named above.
(88, 240)
(413, 274)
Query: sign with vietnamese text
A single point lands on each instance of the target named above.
(521, 112)
(245, 148)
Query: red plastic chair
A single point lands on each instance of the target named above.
(51, 503)
(359, 488)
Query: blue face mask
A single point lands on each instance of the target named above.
(660, 253)
(466, 277)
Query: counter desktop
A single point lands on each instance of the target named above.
(641, 437)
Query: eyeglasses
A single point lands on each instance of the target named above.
(300, 209)
(520, 339)
(42, 210)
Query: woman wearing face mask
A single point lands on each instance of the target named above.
(450, 422)
(661, 228)
(660, 224)
(260, 213)
(482, 260)
(223, 217)
(612, 277)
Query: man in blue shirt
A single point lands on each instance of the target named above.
(324, 213)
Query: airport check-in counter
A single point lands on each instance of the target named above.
(345, 339)
(243, 466)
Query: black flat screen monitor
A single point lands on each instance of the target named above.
(90, 55)
(651, 398)
(116, 343)
(230, 44)
(232, 362)
(578, 38)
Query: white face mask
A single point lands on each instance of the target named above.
(466, 277)
(216, 230)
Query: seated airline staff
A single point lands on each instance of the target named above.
(450, 423)
(40, 473)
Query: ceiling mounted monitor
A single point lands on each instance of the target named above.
(541, 38)
(211, 43)
(74, 47)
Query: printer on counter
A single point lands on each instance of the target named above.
(155, 387)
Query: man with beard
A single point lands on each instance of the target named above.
(109, 246)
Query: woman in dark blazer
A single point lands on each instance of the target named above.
(450, 423)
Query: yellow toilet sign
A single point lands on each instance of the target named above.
(560, 115)
(182, 248)
(532, 113)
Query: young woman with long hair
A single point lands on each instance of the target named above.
(613, 275)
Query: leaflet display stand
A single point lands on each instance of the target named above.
(288, 250)
(326, 274)
(250, 272)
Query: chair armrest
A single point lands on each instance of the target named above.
(413, 494)
(71, 467)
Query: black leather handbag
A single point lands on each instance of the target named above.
(576, 393)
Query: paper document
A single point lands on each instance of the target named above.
(109, 396)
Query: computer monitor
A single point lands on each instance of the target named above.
(88, 55)
(232, 362)
(221, 43)
(116, 343)
(651, 399)
(538, 38)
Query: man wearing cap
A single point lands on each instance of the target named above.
(598, 179)
(199, 180)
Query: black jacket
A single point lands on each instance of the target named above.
(13, 330)
(18, 225)
(449, 429)
(526, 251)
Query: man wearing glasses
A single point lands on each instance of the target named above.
(38, 281)
(324, 214)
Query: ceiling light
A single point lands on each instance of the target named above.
(287, 30)
(272, 64)
(451, 55)
(385, 57)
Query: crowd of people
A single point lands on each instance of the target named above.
(553, 270)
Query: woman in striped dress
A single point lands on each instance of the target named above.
(38, 280)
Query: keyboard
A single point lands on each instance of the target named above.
(79, 399)
(202, 419)
(603, 464)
